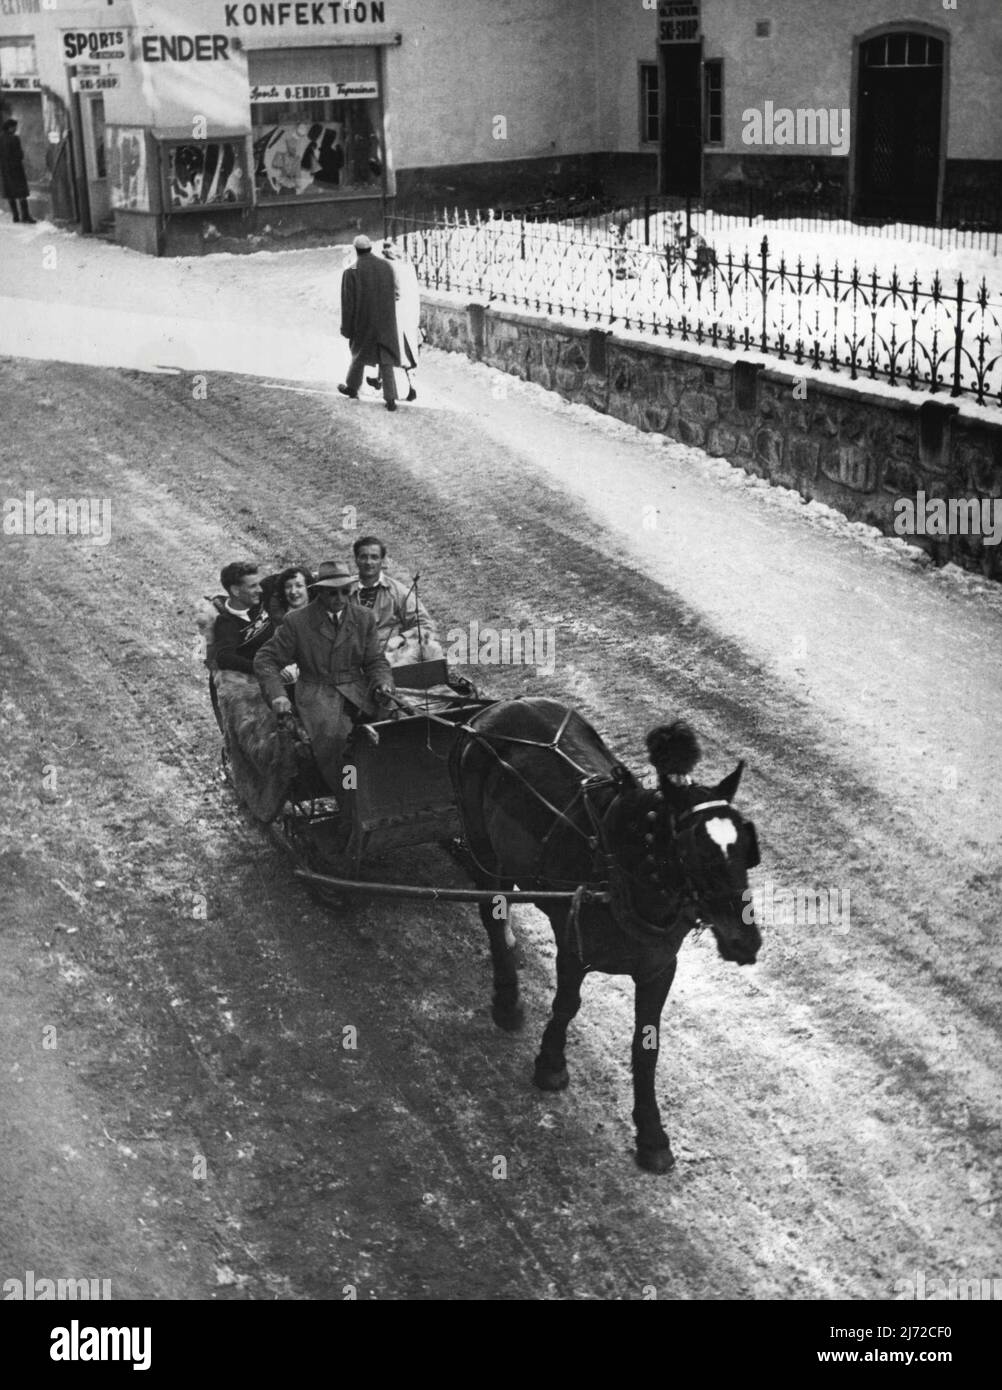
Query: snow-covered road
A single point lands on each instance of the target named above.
(839, 1105)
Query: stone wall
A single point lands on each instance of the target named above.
(852, 448)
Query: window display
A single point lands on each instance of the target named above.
(127, 168)
(316, 122)
(206, 173)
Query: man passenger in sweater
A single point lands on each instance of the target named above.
(243, 624)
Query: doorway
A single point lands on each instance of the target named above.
(899, 123)
(682, 132)
(95, 160)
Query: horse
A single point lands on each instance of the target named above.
(545, 805)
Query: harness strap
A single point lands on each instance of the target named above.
(703, 806)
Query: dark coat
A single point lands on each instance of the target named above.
(12, 176)
(368, 309)
(349, 659)
(336, 666)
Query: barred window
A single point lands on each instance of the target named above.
(713, 101)
(650, 104)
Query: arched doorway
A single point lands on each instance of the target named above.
(899, 126)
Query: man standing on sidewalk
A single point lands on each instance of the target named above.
(12, 176)
(369, 321)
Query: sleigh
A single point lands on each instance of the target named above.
(396, 794)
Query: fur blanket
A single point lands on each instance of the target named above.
(263, 762)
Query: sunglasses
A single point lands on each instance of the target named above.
(343, 592)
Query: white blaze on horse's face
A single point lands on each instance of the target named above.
(722, 832)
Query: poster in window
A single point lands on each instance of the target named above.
(127, 168)
(207, 173)
(310, 154)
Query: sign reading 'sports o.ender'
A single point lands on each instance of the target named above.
(315, 91)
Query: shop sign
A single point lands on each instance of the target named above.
(21, 84)
(107, 44)
(315, 91)
(678, 21)
(107, 82)
(325, 14)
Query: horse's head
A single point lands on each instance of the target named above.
(710, 842)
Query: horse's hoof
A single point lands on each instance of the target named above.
(548, 1080)
(509, 1017)
(655, 1160)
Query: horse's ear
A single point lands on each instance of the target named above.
(726, 789)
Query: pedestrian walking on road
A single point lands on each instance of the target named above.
(369, 321)
(408, 314)
(12, 175)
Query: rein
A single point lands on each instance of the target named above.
(616, 885)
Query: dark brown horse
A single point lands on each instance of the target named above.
(546, 806)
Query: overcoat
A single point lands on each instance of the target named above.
(335, 664)
(368, 310)
(408, 311)
(12, 176)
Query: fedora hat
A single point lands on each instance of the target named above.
(333, 574)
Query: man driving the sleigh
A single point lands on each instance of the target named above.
(342, 669)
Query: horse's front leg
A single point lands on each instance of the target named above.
(551, 1065)
(653, 1146)
(506, 1007)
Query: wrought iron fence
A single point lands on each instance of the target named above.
(973, 223)
(940, 336)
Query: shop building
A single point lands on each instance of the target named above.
(178, 125)
(175, 124)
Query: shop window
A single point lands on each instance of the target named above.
(713, 101)
(650, 104)
(21, 100)
(128, 168)
(316, 123)
(208, 173)
(18, 65)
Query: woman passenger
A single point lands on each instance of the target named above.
(291, 592)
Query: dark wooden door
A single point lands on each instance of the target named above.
(898, 141)
(682, 132)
